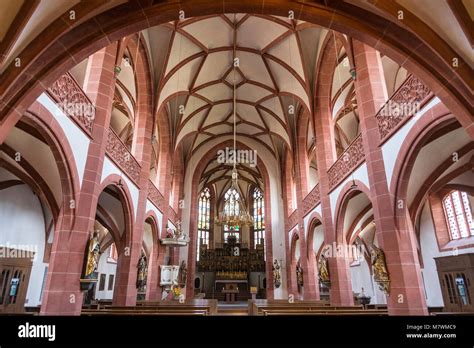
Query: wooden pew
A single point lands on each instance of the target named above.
(208, 303)
(256, 306)
(330, 312)
(190, 307)
(308, 308)
(283, 307)
(135, 312)
(153, 309)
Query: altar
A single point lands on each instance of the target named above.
(230, 274)
(230, 288)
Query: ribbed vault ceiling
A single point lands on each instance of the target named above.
(193, 61)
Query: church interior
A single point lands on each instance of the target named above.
(236, 158)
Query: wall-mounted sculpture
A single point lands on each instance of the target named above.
(142, 273)
(323, 270)
(299, 275)
(183, 272)
(379, 268)
(276, 273)
(90, 275)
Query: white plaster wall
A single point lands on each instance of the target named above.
(297, 250)
(306, 220)
(171, 224)
(361, 278)
(78, 141)
(22, 227)
(318, 238)
(159, 215)
(110, 168)
(359, 174)
(392, 146)
(108, 268)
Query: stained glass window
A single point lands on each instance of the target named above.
(231, 208)
(232, 232)
(258, 216)
(204, 218)
(458, 214)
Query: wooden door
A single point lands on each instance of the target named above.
(14, 278)
(456, 292)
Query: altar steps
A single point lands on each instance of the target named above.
(229, 309)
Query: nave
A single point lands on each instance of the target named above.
(264, 162)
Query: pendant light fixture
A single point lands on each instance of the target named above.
(234, 214)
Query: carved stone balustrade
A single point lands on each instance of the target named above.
(122, 157)
(73, 101)
(172, 215)
(292, 220)
(155, 196)
(311, 200)
(350, 159)
(404, 103)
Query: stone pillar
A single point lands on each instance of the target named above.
(125, 293)
(312, 267)
(62, 295)
(341, 286)
(152, 293)
(286, 193)
(406, 294)
(309, 292)
(302, 168)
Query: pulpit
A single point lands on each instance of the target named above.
(169, 275)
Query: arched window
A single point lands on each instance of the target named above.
(258, 216)
(113, 254)
(204, 218)
(231, 208)
(458, 214)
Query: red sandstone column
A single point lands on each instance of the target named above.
(286, 191)
(312, 267)
(293, 279)
(176, 189)
(309, 291)
(406, 294)
(268, 241)
(192, 245)
(125, 293)
(152, 293)
(341, 286)
(62, 295)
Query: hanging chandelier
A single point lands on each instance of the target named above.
(234, 212)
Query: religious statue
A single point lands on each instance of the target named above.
(379, 268)
(142, 273)
(276, 273)
(93, 250)
(169, 232)
(323, 269)
(299, 275)
(179, 234)
(182, 274)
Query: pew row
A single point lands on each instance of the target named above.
(190, 307)
(283, 307)
(330, 312)
(136, 312)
